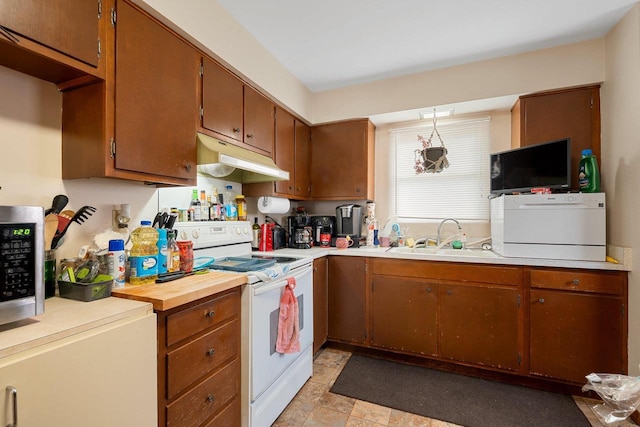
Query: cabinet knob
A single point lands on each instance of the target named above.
(575, 282)
(188, 167)
(449, 292)
(210, 398)
(249, 135)
(210, 313)
(429, 290)
(236, 130)
(211, 352)
(541, 300)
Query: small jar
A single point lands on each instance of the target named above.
(186, 255)
(242, 207)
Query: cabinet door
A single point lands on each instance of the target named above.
(574, 334)
(302, 154)
(222, 98)
(67, 26)
(404, 314)
(258, 121)
(347, 299)
(78, 381)
(284, 150)
(320, 303)
(479, 324)
(342, 160)
(156, 107)
(571, 113)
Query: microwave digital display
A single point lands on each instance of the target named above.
(17, 261)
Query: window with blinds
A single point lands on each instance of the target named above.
(459, 191)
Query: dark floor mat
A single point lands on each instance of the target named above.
(459, 399)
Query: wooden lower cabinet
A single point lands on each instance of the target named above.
(347, 294)
(578, 324)
(555, 324)
(320, 303)
(404, 315)
(479, 324)
(199, 362)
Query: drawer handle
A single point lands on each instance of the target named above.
(14, 396)
(249, 135)
(541, 300)
(211, 352)
(210, 313)
(575, 282)
(210, 398)
(236, 130)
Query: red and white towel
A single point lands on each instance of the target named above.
(288, 323)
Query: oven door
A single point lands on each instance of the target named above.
(266, 364)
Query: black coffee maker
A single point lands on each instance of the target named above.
(324, 224)
(300, 229)
(349, 222)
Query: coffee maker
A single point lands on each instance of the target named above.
(324, 224)
(300, 229)
(349, 222)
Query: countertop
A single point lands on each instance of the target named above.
(477, 256)
(166, 296)
(63, 318)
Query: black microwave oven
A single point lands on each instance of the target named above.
(21, 262)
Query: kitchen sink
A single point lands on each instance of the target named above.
(446, 252)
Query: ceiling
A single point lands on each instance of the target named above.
(330, 44)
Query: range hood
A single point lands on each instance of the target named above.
(234, 163)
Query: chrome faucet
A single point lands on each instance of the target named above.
(438, 237)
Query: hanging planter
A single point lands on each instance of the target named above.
(430, 159)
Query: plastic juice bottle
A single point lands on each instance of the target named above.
(143, 258)
(241, 205)
(588, 173)
(163, 250)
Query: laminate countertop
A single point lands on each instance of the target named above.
(63, 318)
(477, 256)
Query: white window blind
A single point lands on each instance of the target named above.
(461, 190)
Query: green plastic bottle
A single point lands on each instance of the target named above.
(588, 174)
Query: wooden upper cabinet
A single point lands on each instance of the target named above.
(342, 160)
(222, 99)
(56, 40)
(236, 112)
(156, 91)
(570, 113)
(284, 154)
(302, 182)
(139, 124)
(259, 121)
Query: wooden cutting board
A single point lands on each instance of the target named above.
(165, 296)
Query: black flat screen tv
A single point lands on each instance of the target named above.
(542, 165)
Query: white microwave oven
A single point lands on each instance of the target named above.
(21, 262)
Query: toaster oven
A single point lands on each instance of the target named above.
(21, 262)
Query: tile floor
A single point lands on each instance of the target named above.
(315, 406)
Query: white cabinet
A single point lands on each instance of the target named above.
(104, 375)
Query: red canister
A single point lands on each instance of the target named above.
(186, 255)
(266, 237)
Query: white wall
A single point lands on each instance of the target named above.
(621, 155)
(564, 66)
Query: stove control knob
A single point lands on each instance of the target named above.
(183, 235)
(238, 231)
(195, 234)
(245, 230)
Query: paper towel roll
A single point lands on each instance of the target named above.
(273, 205)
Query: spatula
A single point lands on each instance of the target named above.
(63, 219)
(50, 228)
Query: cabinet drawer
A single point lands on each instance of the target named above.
(206, 398)
(194, 360)
(604, 282)
(499, 275)
(203, 316)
